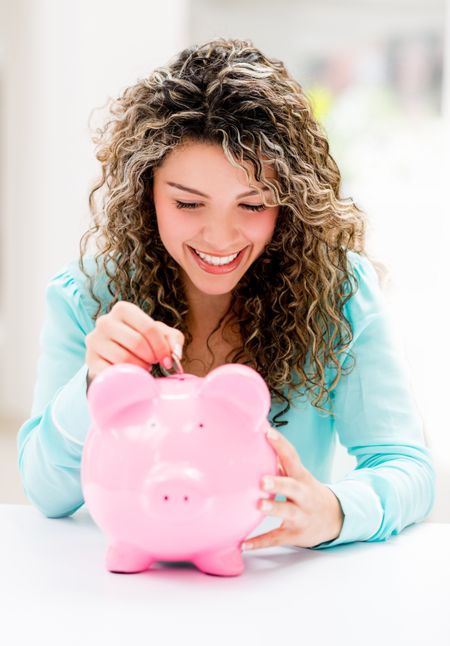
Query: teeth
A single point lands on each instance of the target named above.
(213, 260)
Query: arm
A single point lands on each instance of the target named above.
(393, 483)
(50, 442)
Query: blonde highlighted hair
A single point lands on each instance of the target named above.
(289, 304)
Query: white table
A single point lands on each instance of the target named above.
(55, 590)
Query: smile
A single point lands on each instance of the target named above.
(217, 264)
(216, 260)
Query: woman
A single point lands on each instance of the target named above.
(223, 237)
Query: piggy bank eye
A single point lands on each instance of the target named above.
(201, 425)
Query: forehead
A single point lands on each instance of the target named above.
(190, 157)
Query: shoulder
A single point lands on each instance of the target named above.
(362, 265)
(70, 283)
(368, 298)
(366, 311)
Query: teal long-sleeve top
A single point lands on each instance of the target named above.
(376, 418)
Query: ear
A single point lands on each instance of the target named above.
(119, 388)
(242, 387)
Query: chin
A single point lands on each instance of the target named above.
(218, 291)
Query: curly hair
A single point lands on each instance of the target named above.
(289, 303)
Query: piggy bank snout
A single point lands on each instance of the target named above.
(178, 498)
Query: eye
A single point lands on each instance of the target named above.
(193, 205)
(254, 207)
(186, 205)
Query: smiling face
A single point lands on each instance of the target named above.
(202, 202)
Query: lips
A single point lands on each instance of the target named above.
(217, 269)
(216, 255)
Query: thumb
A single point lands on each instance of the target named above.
(176, 343)
(174, 337)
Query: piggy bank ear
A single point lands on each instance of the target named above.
(242, 387)
(122, 394)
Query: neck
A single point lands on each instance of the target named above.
(205, 310)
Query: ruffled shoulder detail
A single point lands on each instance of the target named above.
(369, 299)
(71, 280)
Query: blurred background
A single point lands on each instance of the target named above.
(377, 73)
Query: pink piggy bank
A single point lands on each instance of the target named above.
(171, 467)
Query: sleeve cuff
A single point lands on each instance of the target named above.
(70, 412)
(363, 512)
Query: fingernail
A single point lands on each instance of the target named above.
(268, 483)
(167, 362)
(272, 434)
(178, 351)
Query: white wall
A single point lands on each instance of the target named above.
(59, 60)
(399, 180)
(293, 29)
(435, 308)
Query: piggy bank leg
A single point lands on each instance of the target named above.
(123, 557)
(226, 562)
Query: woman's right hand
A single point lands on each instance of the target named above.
(128, 335)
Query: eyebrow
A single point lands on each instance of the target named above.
(193, 190)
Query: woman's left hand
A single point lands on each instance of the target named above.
(311, 514)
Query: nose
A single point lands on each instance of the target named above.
(175, 498)
(216, 235)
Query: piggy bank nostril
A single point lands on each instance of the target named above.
(186, 498)
(175, 495)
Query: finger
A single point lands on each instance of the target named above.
(287, 510)
(275, 537)
(167, 339)
(110, 352)
(161, 338)
(127, 337)
(143, 324)
(284, 486)
(175, 338)
(158, 341)
(287, 454)
(97, 365)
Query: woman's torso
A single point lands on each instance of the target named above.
(306, 428)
